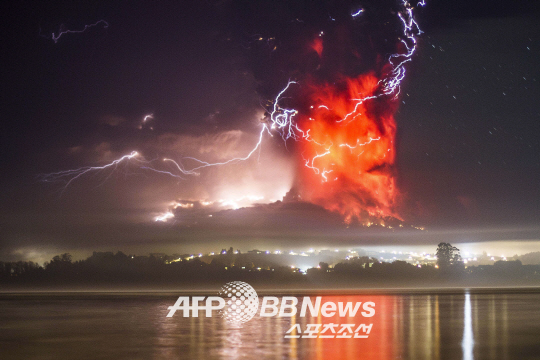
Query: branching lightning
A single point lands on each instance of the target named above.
(288, 124)
(55, 37)
(283, 120)
(69, 176)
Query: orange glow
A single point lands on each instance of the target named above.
(317, 45)
(380, 343)
(350, 153)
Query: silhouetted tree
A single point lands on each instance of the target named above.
(447, 255)
(60, 263)
(324, 266)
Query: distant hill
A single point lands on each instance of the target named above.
(532, 258)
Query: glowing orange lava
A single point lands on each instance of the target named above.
(350, 153)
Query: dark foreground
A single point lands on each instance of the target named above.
(450, 324)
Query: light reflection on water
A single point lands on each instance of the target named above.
(468, 337)
(459, 325)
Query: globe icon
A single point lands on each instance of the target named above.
(241, 302)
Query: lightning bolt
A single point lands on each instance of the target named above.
(280, 119)
(69, 176)
(55, 37)
(357, 13)
(390, 85)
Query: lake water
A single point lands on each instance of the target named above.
(487, 324)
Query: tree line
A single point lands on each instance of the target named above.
(160, 270)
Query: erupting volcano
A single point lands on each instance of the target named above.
(341, 111)
(349, 154)
(335, 81)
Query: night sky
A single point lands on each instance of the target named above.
(467, 152)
